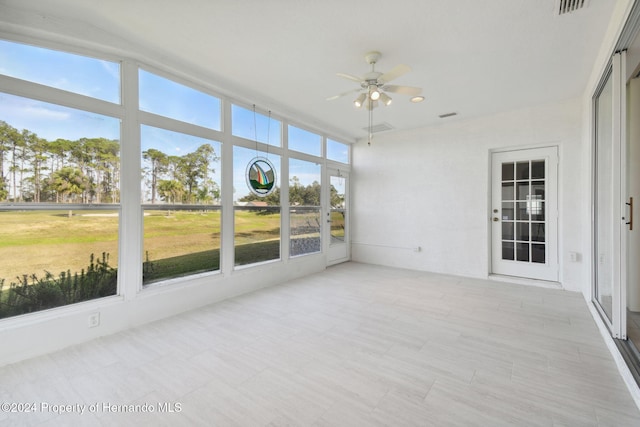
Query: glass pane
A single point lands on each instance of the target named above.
(74, 73)
(507, 191)
(537, 232)
(257, 219)
(180, 242)
(305, 231)
(507, 171)
(52, 258)
(337, 151)
(304, 141)
(63, 155)
(179, 168)
(537, 169)
(338, 208)
(522, 231)
(508, 211)
(537, 189)
(522, 251)
(522, 170)
(507, 231)
(246, 124)
(304, 199)
(521, 211)
(538, 253)
(170, 99)
(507, 250)
(537, 211)
(604, 221)
(522, 190)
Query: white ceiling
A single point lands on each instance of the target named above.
(471, 57)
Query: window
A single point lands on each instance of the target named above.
(61, 189)
(74, 73)
(181, 202)
(170, 99)
(59, 205)
(304, 207)
(257, 219)
(337, 151)
(304, 141)
(255, 126)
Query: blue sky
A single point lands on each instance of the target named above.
(101, 79)
(87, 76)
(52, 121)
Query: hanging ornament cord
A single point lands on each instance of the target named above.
(255, 128)
(268, 133)
(255, 131)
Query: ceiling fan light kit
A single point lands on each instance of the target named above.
(373, 87)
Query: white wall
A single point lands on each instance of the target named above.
(430, 188)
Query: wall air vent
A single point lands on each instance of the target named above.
(568, 6)
(381, 127)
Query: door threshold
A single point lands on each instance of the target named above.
(525, 281)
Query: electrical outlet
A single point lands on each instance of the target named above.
(94, 320)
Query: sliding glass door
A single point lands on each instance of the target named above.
(609, 224)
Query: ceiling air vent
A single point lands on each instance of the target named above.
(568, 6)
(381, 127)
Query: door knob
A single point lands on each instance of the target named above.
(495, 219)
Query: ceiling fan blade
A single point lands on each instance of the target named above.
(403, 90)
(340, 95)
(394, 73)
(350, 77)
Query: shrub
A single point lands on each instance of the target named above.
(30, 293)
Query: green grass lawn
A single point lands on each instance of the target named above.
(175, 243)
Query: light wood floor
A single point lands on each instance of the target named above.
(357, 345)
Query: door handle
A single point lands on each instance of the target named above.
(630, 204)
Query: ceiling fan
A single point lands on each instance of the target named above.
(373, 85)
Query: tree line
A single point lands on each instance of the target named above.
(87, 170)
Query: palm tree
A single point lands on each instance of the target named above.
(69, 182)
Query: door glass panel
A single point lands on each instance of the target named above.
(507, 171)
(507, 191)
(521, 211)
(338, 209)
(537, 189)
(537, 169)
(538, 253)
(522, 190)
(507, 211)
(537, 232)
(507, 250)
(604, 199)
(507, 230)
(523, 252)
(522, 170)
(529, 211)
(522, 231)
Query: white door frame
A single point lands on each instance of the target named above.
(549, 270)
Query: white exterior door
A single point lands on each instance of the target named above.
(337, 217)
(524, 213)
